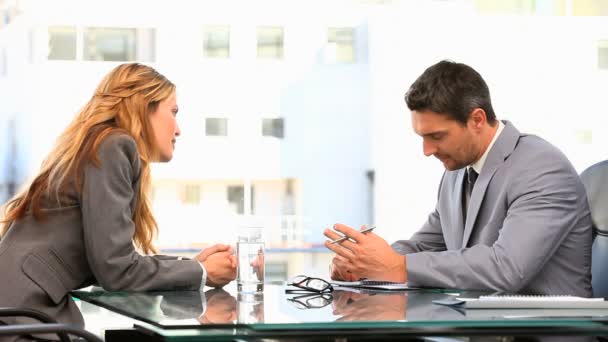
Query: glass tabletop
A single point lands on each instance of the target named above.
(277, 310)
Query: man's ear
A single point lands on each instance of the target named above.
(478, 118)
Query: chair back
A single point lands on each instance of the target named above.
(595, 179)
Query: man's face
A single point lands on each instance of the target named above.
(455, 145)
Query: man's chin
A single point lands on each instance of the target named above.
(450, 165)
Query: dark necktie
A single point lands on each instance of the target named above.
(469, 183)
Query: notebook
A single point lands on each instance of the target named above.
(525, 302)
(372, 285)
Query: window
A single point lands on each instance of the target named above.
(273, 128)
(216, 41)
(602, 55)
(216, 126)
(192, 194)
(236, 198)
(340, 45)
(62, 43)
(119, 44)
(270, 42)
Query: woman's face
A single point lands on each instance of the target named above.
(165, 127)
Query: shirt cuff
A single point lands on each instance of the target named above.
(204, 280)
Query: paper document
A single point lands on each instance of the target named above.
(372, 285)
(526, 302)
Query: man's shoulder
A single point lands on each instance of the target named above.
(531, 146)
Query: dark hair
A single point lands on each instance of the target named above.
(452, 89)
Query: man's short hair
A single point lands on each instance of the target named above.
(452, 89)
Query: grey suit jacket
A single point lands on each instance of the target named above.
(86, 240)
(528, 226)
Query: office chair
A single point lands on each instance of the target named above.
(48, 325)
(595, 179)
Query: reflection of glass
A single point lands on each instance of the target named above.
(310, 284)
(250, 308)
(311, 300)
(250, 252)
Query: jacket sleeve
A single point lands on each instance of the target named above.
(108, 227)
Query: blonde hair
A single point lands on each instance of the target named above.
(121, 104)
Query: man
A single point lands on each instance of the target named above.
(525, 227)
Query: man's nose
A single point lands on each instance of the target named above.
(428, 148)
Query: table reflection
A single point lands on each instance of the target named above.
(216, 306)
(250, 308)
(354, 306)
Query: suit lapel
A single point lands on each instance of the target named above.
(502, 148)
(457, 218)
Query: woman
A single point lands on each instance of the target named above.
(81, 219)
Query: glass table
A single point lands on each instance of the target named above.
(224, 314)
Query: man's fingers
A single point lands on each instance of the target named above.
(348, 231)
(333, 236)
(339, 250)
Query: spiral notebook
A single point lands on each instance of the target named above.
(372, 285)
(525, 302)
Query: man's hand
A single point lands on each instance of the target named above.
(220, 264)
(369, 256)
(338, 273)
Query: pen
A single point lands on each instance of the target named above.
(366, 230)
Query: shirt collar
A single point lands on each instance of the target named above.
(478, 165)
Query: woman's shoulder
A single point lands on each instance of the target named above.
(118, 143)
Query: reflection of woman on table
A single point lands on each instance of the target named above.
(353, 306)
(220, 308)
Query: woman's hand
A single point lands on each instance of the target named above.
(220, 264)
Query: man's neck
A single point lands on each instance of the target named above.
(488, 137)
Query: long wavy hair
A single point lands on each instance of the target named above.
(122, 103)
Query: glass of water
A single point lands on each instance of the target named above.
(250, 254)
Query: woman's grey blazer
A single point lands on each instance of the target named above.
(528, 226)
(87, 240)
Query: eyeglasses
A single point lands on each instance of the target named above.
(311, 300)
(308, 284)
